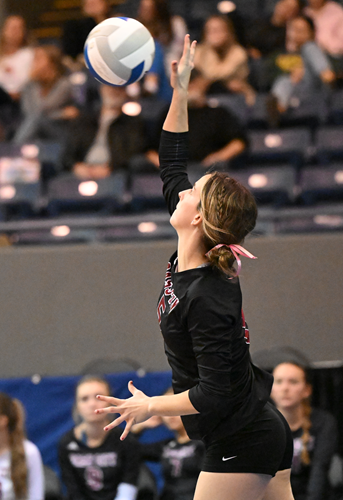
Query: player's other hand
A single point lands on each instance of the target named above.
(133, 410)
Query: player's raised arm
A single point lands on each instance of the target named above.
(177, 117)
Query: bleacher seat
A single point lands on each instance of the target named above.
(291, 145)
(69, 194)
(322, 183)
(270, 185)
(146, 191)
(329, 144)
(235, 103)
(19, 200)
(336, 108)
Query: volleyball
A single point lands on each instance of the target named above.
(119, 51)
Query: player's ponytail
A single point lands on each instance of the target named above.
(12, 409)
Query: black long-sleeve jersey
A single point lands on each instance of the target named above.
(206, 337)
(95, 473)
(181, 465)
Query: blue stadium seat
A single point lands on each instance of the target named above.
(68, 194)
(146, 192)
(322, 183)
(274, 185)
(329, 144)
(291, 145)
(19, 200)
(336, 108)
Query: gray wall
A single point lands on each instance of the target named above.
(63, 307)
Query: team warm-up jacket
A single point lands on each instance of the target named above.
(206, 338)
(95, 473)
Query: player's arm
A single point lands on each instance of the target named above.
(140, 407)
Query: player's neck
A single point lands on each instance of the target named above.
(190, 253)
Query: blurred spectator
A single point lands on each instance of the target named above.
(95, 464)
(267, 35)
(314, 432)
(15, 56)
(301, 75)
(215, 134)
(105, 141)
(169, 32)
(47, 100)
(328, 20)
(181, 459)
(167, 29)
(221, 61)
(15, 66)
(76, 31)
(21, 468)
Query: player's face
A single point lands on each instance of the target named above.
(290, 387)
(188, 207)
(86, 402)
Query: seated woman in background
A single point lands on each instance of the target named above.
(314, 432)
(15, 66)
(221, 61)
(96, 464)
(47, 101)
(21, 468)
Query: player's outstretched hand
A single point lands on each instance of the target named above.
(181, 72)
(133, 410)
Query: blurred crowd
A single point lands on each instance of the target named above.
(292, 54)
(96, 465)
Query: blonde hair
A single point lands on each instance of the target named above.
(13, 410)
(306, 436)
(229, 213)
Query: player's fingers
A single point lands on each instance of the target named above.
(192, 50)
(132, 388)
(109, 399)
(109, 409)
(186, 46)
(127, 429)
(115, 423)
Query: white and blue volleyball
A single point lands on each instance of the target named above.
(119, 51)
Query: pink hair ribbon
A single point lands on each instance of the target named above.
(235, 249)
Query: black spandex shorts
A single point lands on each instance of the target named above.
(263, 447)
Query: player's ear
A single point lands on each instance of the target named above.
(197, 219)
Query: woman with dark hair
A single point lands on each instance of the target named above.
(96, 465)
(314, 432)
(21, 468)
(220, 395)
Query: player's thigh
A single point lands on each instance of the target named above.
(231, 486)
(279, 488)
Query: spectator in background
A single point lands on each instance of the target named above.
(308, 73)
(15, 65)
(168, 32)
(314, 432)
(328, 20)
(167, 29)
(47, 100)
(97, 465)
(267, 35)
(21, 468)
(221, 61)
(215, 133)
(103, 142)
(181, 459)
(76, 31)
